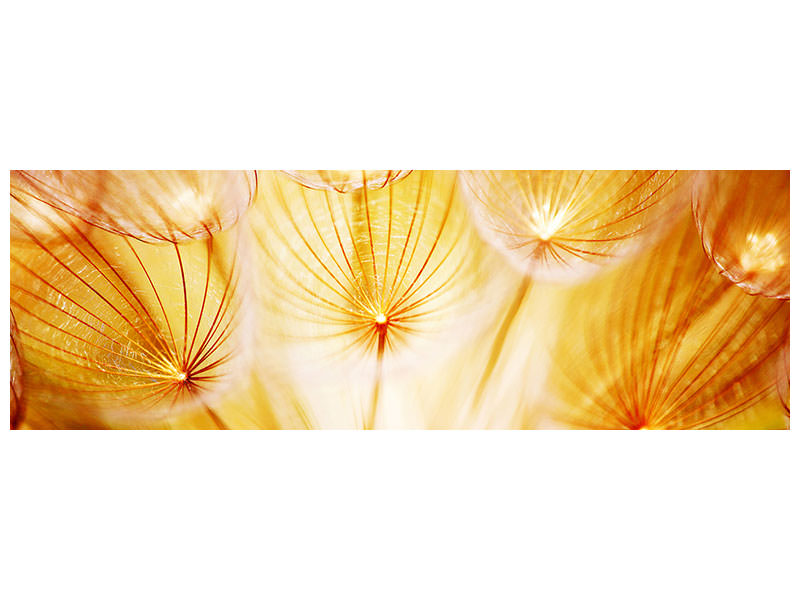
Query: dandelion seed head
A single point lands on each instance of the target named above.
(135, 331)
(375, 272)
(743, 221)
(563, 226)
(153, 206)
(684, 349)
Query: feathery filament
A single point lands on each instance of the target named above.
(121, 327)
(667, 343)
(562, 225)
(153, 206)
(743, 219)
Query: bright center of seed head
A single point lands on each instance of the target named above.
(181, 376)
(762, 253)
(380, 319)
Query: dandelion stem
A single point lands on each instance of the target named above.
(499, 340)
(376, 390)
(215, 417)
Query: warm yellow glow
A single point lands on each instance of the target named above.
(131, 333)
(396, 299)
(346, 181)
(667, 343)
(546, 219)
(563, 225)
(762, 253)
(743, 221)
(154, 206)
(544, 228)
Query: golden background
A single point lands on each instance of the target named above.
(400, 299)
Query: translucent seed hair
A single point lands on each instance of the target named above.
(372, 277)
(153, 206)
(118, 328)
(743, 220)
(666, 343)
(564, 225)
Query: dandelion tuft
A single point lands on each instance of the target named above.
(116, 327)
(666, 343)
(152, 206)
(743, 220)
(563, 225)
(370, 279)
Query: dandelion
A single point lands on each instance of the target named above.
(346, 181)
(666, 343)
(308, 299)
(743, 219)
(121, 329)
(153, 206)
(373, 275)
(562, 225)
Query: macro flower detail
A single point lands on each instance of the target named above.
(743, 219)
(346, 181)
(124, 330)
(561, 225)
(153, 206)
(399, 299)
(371, 276)
(667, 343)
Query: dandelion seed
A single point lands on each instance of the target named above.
(136, 299)
(665, 343)
(743, 220)
(563, 225)
(371, 277)
(153, 206)
(123, 329)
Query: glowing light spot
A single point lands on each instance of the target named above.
(762, 253)
(189, 202)
(380, 319)
(546, 231)
(181, 377)
(545, 223)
